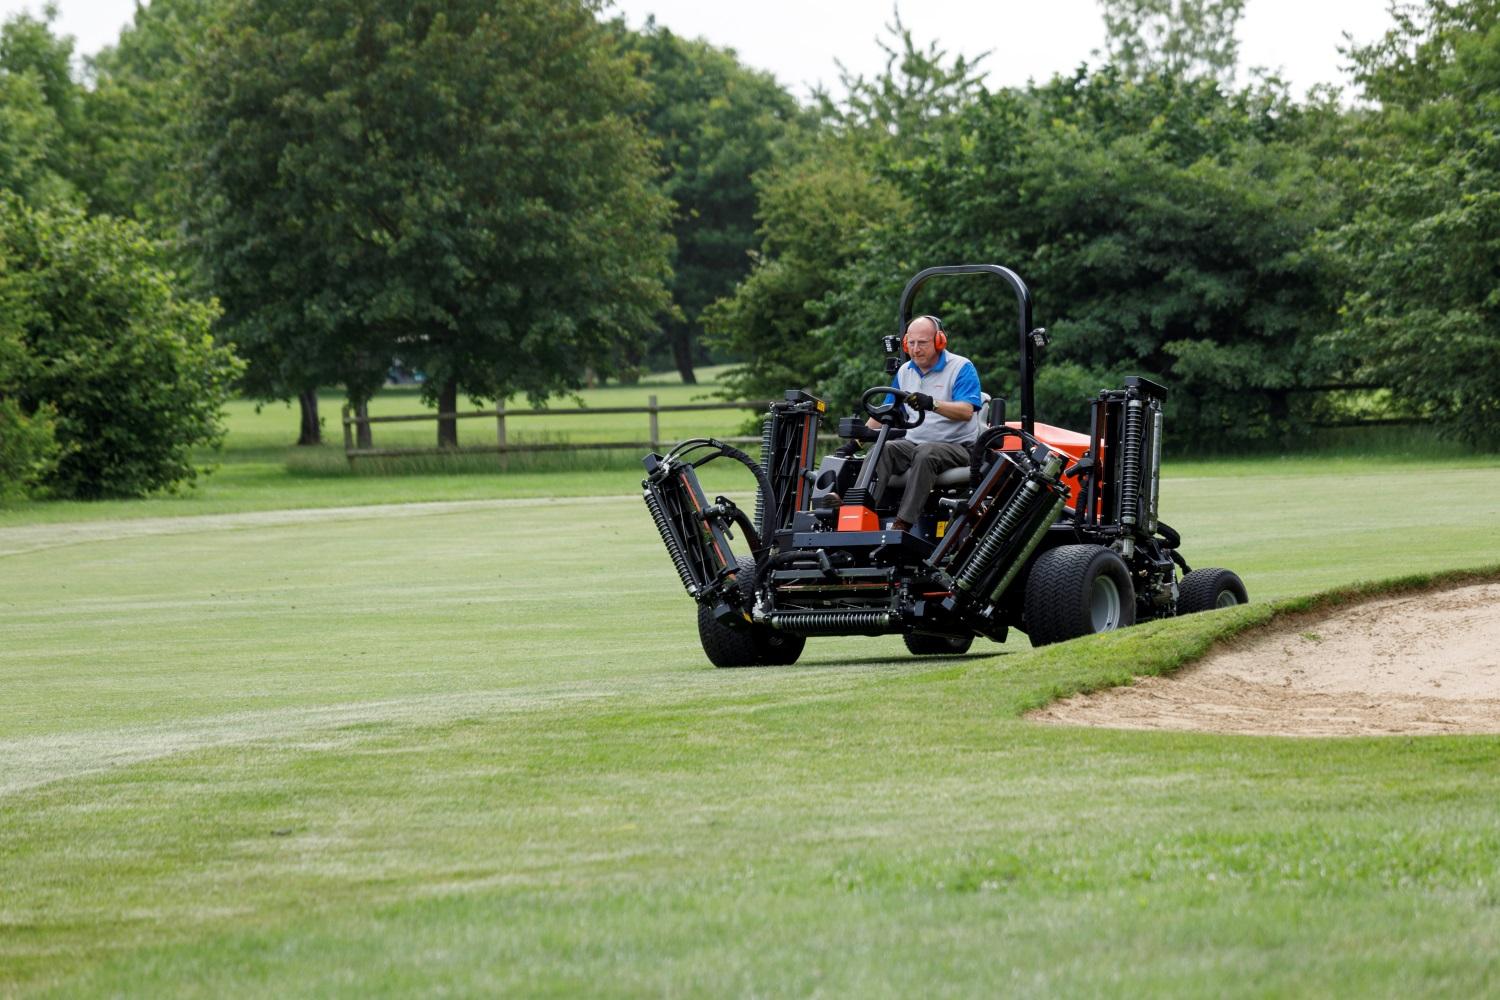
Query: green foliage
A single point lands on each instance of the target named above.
(1172, 38)
(1420, 258)
(128, 367)
(1162, 226)
(458, 188)
(824, 206)
(818, 214)
(28, 441)
(40, 120)
(918, 91)
(715, 122)
(136, 115)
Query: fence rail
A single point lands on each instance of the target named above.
(503, 448)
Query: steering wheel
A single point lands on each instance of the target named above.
(892, 414)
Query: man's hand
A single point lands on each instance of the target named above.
(919, 401)
(848, 449)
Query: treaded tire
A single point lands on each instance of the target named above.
(777, 649)
(725, 646)
(938, 645)
(752, 645)
(1207, 589)
(1076, 590)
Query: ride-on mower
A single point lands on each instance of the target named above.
(1046, 530)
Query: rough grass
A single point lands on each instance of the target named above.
(476, 750)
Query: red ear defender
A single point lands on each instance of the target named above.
(939, 337)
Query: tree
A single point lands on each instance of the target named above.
(919, 89)
(444, 182)
(128, 367)
(817, 214)
(1420, 260)
(1163, 226)
(715, 122)
(135, 117)
(1174, 38)
(40, 120)
(823, 206)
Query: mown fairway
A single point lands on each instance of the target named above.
(477, 749)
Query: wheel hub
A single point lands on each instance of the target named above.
(1104, 604)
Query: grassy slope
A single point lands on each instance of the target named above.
(480, 750)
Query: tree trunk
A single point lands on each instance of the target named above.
(448, 403)
(312, 427)
(682, 355)
(1280, 411)
(362, 436)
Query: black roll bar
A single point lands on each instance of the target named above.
(1023, 311)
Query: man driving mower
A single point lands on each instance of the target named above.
(945, 385)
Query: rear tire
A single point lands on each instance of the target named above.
(748, 645)
(1208, 589)
(1076, 590)
(938, 645)
(778, 649)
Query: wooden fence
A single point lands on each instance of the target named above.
(652, 442)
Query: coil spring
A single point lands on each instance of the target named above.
(663, 525)
(765, 466)
(1130, 477)
(989, 546)
(830, 621)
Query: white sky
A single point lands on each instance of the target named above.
(798, 40)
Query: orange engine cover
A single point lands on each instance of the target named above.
(1070, 443)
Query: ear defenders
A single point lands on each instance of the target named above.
(939, 337)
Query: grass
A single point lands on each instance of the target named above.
(476, 750)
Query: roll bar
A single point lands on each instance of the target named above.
(1023, 320)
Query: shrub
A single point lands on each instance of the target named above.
(127, 365)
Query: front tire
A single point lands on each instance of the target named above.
(937, 645)
(1076, 590)
(1209, 589)
(746, 645)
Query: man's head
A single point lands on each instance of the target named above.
(924, 341)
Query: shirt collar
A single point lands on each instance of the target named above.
(942, 362)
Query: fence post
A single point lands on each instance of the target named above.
(655, 425)
(348, 435)
(500, 434)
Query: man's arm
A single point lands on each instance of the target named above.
(953, 410)
(966, 395)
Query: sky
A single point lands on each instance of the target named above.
(799, 40)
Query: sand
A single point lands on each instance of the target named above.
(1417, 663)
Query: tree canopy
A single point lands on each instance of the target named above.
(715, 123)
(1420, 259)
(454, 186)
(513, 200)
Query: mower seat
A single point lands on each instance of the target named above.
(947, 479)
(953, 478)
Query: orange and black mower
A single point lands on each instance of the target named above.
(1049, 531)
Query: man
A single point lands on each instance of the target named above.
(947, 387)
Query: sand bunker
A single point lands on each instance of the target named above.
(1417, 663)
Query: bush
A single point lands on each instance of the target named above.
(129, 367)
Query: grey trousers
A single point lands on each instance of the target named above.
(922, 463)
